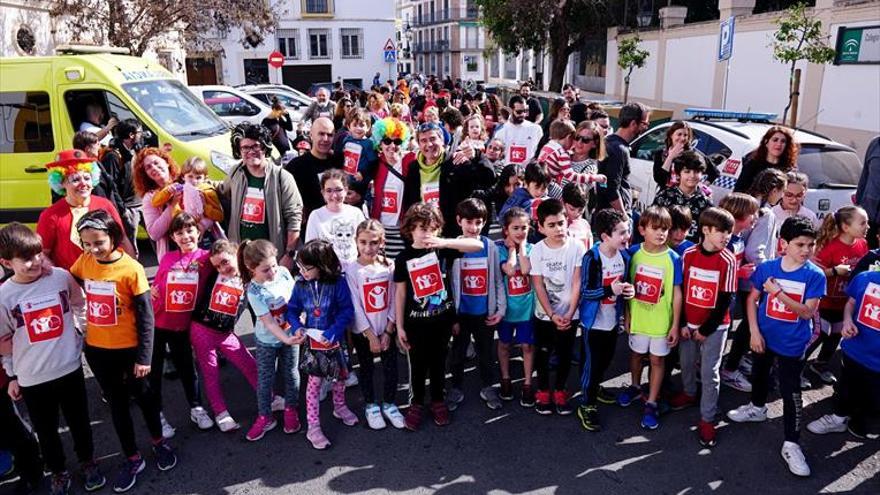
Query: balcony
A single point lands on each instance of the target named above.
(427, 47)
(446, 15)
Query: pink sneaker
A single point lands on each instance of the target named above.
(317, 438)
(291, 420)
(344, 413)
(260, 427)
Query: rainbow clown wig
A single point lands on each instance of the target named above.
(390, 128)
(68, 162)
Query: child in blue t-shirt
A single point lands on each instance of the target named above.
(857, 392)
(780, 308)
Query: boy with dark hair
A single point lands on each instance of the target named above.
(532, 194)
(478, 291)
(556, 268)
(575, 201)
(681, 225)
(690, 167)
(781, 305)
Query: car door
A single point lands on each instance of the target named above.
(641, 162)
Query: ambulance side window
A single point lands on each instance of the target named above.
(111, 106)
(27, 122)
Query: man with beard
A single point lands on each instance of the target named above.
(578, 109)
(306, 168)
(520, 136)
(536, 113)
(321, 107)
(116, 162)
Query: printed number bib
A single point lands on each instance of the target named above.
(43, 318)
(180, 291)
(317, 345)
(649, 284)
(390, 202)
(518, 284)
(425, 276)
(779, 311)
(279, 313)
(702, 288)
(474, 276)
(253, 210)
(351, 154)
(225, 295)
(517, 154)
(536, 202)
(869, 309)
(376, 293)
(101, 303)
(431, 193)
(608, 279)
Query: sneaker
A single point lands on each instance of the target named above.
(649, 417)
(505, 391)
(681, 400)
(706, 432)
(542, 402)
(393, 415)
(857, 428)
(6, 464)
(605, 396)
(166, 459)
(560, 399)
(351, 380)
(629, 395)
(794, 457)
(291, 420)
(821, 370)
(806, 384)
(453, 398)
(316, 437)
(748, 413)
(829, 423)
(260, 427)
(589, 416)
(277, 404)
(736, 380)
(441, 413)
(527, 396)
(374, 417)
(93, 478)
(200, 417)
(344, 414)
(490, 396)
(60, 483)
(225, 422)
(413, 419)
(168, 431)
(127, 476)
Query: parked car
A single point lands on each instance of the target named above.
(302, 98)
(296, 103)
(235, 106)
(329, 87)
(726, 137)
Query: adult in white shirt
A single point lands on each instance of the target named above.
(520, 137)
(336, 221)
(94, 117)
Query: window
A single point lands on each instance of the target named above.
(288, 43)
(256, 71)
(175, 108)
(645, 146)
(227, 104)
(470, 63)
(352, 43)
(317, 7)
(525, 63)
(494, 66)
(319, 43)
(27, 123)
(510, 66)
(471, 37)
(714, 149)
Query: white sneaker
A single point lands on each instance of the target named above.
(352, 379)
(395, 417)
(806, 384)
(374, 417)
(736, 380)
(748, 413)
(200, 417)
(168, 431)
(830, 423)
(226, 423)
(794, 457)
(278, 404)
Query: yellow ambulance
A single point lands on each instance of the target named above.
(43, 104)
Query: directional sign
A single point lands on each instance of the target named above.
(725, 39)
(276, 59)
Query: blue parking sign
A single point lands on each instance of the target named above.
(725, 39)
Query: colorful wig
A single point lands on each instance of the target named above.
(389, 128)
(58, 174)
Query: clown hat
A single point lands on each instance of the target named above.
(68, 162)
(70, 158)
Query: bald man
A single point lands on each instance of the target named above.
(306, 168)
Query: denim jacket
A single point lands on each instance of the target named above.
(333, 312)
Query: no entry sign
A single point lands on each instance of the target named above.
(276, 59)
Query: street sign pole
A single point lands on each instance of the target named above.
(389, 53)
(725, 51)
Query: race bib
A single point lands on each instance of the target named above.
(101, 303)
(376, 294)
(225, 295)
(702, 288)
(869, 309)
(431, 193)
(517, 154)
(474, 276)
(425, 276)
(649, 284)
(253, 210)
(779, 311)
(391, 202)
(180, 291)
(43, 318)
(317, 345)
(279, 315)
(518, 284)
(533, 207)
(608, 279)
(351, 155)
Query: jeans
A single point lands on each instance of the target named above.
(484, 340)
(548, 339)
(789, 371)
(181, 354)
(286, 359)
(595, 359)
(429, 341)
(206, 343)
(708, 354)
(389, 369)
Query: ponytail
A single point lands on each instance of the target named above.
(833, 224)
(243, 269)
(251, 254)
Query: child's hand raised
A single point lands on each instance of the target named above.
(434, 242)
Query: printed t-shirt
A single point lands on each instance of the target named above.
(271, 298)
(220, 303)
(864, 348)
(372, 294)
(654, 276)
(253, 209)
(837, 253)
(518, 289)
(612, 269)
(337, 228)
(427, 286)
(557, 267)
(179, 282)
(706, 275)
(474, 279)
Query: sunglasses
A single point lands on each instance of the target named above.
(520, 112)
(584, 139)
(429, 126)
(389, 141)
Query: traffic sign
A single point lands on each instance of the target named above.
(390, 56)
(389, 46)
(276, 59)
(725, 39)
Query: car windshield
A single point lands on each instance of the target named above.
(828, 166)
(175, 109)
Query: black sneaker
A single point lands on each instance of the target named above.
(606, 397)
(93, 479)
(561, 400)
(60, 483)
(856, 427)
(589, 416)
(528, 396)
(127, 476)
(165, 457)
(505, 391)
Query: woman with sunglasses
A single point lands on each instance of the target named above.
(343, 106)
(586, 153)
(390, 137)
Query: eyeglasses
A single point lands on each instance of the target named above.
(584, 139)
(251, 148)
(521, 112)
(303, 268)
(389, 141)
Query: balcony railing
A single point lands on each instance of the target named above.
(437, 46)
(446, 15)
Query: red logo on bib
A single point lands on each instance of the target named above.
(351, 155)
(101, 303)
(390, 202)
(608, 281)
(43, 323)
(180, 291)
(376, 296)
(649, 284)
(518, 284)
(702, 288)
(425, 276)
(869, 310)
(253, 210)
(225, 296)
(474, 277)
(517, 154)
(776, 309)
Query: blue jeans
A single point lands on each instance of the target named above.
(269, 358)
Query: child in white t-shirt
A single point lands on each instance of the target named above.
(336, 221)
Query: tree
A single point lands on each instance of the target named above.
(630, 56)
(134, 24)
(560, 26)
(799, 37)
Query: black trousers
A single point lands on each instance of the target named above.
(741, 336)
(429, 341)
(114, 370)
(857, 393)
(548, 339)
(597, 359)
(15, 438)
(484, 339)
(789, 372)
(181, 354)
(68, 394)
(389, 368)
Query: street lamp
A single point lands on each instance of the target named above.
(646, 13)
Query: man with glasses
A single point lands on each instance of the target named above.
(600, 117)
(634, 119)
(520, 137)
(307, 168)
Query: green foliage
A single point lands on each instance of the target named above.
(800, 37)
(629, 55)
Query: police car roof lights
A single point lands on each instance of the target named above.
(719, 114)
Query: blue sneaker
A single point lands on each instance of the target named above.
(629, 395)
(5, 463)
(649, 417)
(127, 476)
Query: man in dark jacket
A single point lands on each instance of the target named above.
(634, 119)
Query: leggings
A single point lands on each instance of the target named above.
(181, 355)
(429, 341)
(313, 396)
(389, 368)
(484, 338)
(595, 359)
(789, 372)
(548, 339)
(206, 343)
(114, 370)
(16, 438)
